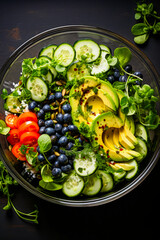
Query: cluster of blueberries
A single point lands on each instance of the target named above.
(116, 76)
(56, 131)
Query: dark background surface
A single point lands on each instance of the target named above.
(134, 215)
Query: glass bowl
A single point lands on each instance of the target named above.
(10, 73)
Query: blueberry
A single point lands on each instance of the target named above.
(63, 141)
(116, 74)
(41, 157)
(80, 140)
(66, 108)
(61, 151)
(41, 122)
(40, 114)
(59, 118)
(67, 118)
(42, 130)
(50, 152)
(64, 130)
(111, 78)
(69, 146)
(56, 172)
(58, 96)
(32, 105)
(72, 128)
(56, 164)
(38, 150)
(49, 123)
(138, 74)
(62, 159)
(39, 105)
(54, 139)
(138, 83)
(52, 158)
(128, 68)
(51, 98)
(55, 148)
(46, 108)
(58, 127)
(66, 168)
(123, 78)
(50, 131)
(58, 135)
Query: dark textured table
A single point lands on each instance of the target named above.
(134, 215)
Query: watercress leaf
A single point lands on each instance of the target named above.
(46, 173)
(119, 85)
(4, 94)
(44, 142)
(8, 206)
(2, 123)
(137, 16)
(5, 130)
(124, 102)
(139, 29)
(112, 60)
(50, 186)
(157, 26)
(123, 54)
(141, 39)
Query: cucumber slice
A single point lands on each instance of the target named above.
(87, 49)
(48, 51)
(105, 48)
(119, 175)
(38, 89)
(85, 166)
(12, 104)
(73, 185)
(107, 181)
(48, 77)
(42, 61)
(141, 131)
(77, 71)
(64, 54)
(93, 185)
(134, 171)
(103, 65)
(141, 147)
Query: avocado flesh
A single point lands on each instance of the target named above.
(124, 140)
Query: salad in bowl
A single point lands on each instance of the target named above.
(80, 120)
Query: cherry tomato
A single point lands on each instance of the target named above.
(13, 137)
(17, 153)
(11, 120)
(29, 138)
(28, 126)
(26, 116)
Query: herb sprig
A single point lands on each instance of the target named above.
(149, 22)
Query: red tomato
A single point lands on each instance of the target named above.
(28, 126)
(27, 116)
(11, 120)
(29, 138)
(16, 152)
(13, 137)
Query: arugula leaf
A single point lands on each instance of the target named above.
(44, 142)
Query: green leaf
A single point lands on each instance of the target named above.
(157, 26)
(4, 94)
(44, 142)
(123, 54)
(46, 174)
(141, 39)
(119, 85)
(50, 186)
(137, 16)
(5, 130)
(139, 29)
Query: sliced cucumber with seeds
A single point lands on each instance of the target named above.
(38, 89)
(103, 65)
(48, 51)
(107, 181)
(141, 131)
(77, 71)
(93, 185)
(141, 147)
(87, 49)
(134, 171)
(64, 54)
(85, 166)
(12, 104)
(73, 185)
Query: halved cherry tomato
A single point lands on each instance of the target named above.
(28, 126)
(13, 137)
(29, 138)
(11, 120)
(27, 116)
(17, 153)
